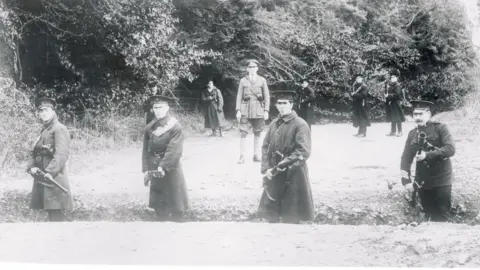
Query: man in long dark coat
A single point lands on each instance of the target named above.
(288, 137)
(394, 110)
(213, 109)
(252, 106)
(360, 117)
(50, 155)
(162, 150)
(434, 174)
(306, 103)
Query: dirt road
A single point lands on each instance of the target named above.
(241, 244)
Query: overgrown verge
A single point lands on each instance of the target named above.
(370, 209)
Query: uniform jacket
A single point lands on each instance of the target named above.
(50, 154)
(290, 136)
(248, 101)
(394, 112)
(439, 170)
(360, 115)
(163, 146)
(306, 104)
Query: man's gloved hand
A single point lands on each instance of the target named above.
(268, 174)
(421, 156)
(219, 110)
(33, 170)
(161, 171)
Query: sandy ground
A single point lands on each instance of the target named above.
(241, 244)
(341, 168)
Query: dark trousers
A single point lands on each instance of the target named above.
(395, 126)
(56, 215)
(362, 130)
(436, 203)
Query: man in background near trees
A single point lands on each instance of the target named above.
(433, 174)
(360, 117)
(394, 110)
(49, 156)
(288, 196)
(306, 103)
(162, 150)
(213, 109)
(252, 107)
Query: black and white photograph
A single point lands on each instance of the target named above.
(240, 133)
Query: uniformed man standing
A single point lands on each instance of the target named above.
(360, 117)
(289, 196)
(49, 156)
(434, 174)
(394, 110)
(162, 150)
(306, 103)
(252, 106)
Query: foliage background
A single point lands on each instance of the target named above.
(102, 58)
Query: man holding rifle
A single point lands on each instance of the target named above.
(287, 195)
(432, 145)
(161, 165)
(47, 165)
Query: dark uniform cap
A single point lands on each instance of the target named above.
(45, 102)
(283, 94)
(159, 99)
(253, 61)
(421, 104)
(395, 72)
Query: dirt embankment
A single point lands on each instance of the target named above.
(348, 177)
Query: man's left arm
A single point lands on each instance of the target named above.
(302, 143)
(266, 95)
(62, 147)
(174, 150)
(447, 148)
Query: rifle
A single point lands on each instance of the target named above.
(48, 181)
(150, 175)
(423, 146)
(280, 167)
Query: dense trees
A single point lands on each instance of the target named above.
(107, 54)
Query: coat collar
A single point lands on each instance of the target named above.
(50, 123)
(289, 117)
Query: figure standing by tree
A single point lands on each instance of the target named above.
(213, 108)
(252, 106)
(50, 155)
(162, 150)
(394, 110)
(360, 115)
(306, 103)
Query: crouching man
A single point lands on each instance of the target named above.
(287, 196)
(162, 149)
(431, 145)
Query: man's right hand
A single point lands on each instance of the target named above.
(239, 115)
(268, 174)
(33, 170)
(146, 179)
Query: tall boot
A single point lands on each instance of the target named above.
(243, 143)
(256, 149)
